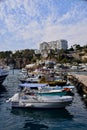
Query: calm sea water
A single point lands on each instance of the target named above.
(73, 117)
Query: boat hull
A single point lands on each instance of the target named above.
(42, 105)
(57, 103)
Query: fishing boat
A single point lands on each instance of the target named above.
(30, 78)
(53, 80)
(45, 89)
(49, 78)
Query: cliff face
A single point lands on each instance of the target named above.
(84, 58)
(80, 55)
(3, 62)
(16, 63)
(19, 60)
(76, 56)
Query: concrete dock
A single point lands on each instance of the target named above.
(82, 78)
(80, 81)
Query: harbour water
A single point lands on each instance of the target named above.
(73, 117)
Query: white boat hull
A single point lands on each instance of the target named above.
(41, 105)
(42, 102)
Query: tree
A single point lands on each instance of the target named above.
(78, 47)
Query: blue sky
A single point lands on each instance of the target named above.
(24, 24)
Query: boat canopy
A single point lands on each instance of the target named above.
(70, 86)
(32, 85)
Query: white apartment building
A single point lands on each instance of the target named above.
(53, 45)
(58, 44)
(44, 46)
(62, 44)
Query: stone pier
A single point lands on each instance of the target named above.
(80, 81)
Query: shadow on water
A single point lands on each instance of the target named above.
(48, 113)
(83, 98)
(2, 93)
(40, 119)
(2, 89)
(85, 101)
(35, 126)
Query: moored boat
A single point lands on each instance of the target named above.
(37, 101)
(3, 74)
(45, 89)
(41, 98)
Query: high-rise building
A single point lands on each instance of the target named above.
(58, 44)
(53, 45)
(62, 44)
(44, 46)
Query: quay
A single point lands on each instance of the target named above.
(80, 81)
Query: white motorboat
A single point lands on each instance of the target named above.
(21, 100)
(30, 79)
(40, 99)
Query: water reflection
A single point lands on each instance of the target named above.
(2, 89)
(35, 126)
(48, 113)
(85, 101)
(83, 98)
(40, 119)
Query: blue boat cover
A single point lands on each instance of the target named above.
(32, 85)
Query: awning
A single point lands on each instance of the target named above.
(32, 85)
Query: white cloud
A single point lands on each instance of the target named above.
(72, 33)
(71, 25)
